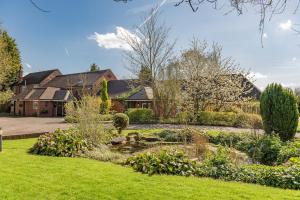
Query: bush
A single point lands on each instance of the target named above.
(242, 120)
(140, 115)
(183, 117)
(290, 149)
(279, 111)
(163, 162)
(216, 118)
(228, 139)
(279, 176)
(184, 135)
(266, 150)
(245, 120)
(103, 153)
(120, 121)
(89, 122)
(60, 143)
(217, 165)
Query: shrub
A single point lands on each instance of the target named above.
(168, 135)
(103, 153)
(183, 117)
(294, 161)
(163, 162)
(228, 139)
(246, 120)
(120, 121)
(290, 149)
(243, 120)
(140, 115)
(60, 143)
(216, 118)
(184, 135)
(105, 102)
(89, 122)
(217, 165)
(279, 176)
(279, 111)
(266, 150)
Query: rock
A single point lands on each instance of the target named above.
(118, 140)
(151, 139)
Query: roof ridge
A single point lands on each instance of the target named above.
(84, 72)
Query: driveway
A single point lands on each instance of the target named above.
(12, 126)
(22, 126)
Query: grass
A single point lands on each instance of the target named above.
(24, 176)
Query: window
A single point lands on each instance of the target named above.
(35, 105)
(145, 105)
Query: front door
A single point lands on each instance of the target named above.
(60, 111)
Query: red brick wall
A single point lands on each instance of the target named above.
(40, 107)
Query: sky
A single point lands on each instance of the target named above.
(75, 34)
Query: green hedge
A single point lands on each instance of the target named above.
(140, 115)
(243, 120)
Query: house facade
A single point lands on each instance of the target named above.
(46, 93)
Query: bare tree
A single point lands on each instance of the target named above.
(209, 79)
(151, 54)
(266, 9)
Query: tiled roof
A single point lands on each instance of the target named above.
(146, 93)
(119, 87)
(36, 77)
(44, 93)
(76, 80)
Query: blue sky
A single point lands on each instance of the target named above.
(62, 38)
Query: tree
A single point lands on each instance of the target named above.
(265, 8)
(150, 55)
(10, 68)
(94, 67)
(279, 111)
(120, 122)
(209, 79)
(105, 104)
(11, 62)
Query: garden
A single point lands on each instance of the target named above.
(268, 159)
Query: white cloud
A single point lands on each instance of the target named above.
(286, 25)
(114, 40)
(28, 65)
(258, 75)
(265, 35)
(294, 59)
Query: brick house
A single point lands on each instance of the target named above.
(45, 93)
(129, 94)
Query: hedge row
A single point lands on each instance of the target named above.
(243, 120)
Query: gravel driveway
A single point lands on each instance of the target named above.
(30, 125)
(16, 126)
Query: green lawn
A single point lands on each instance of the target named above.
(24, 176)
